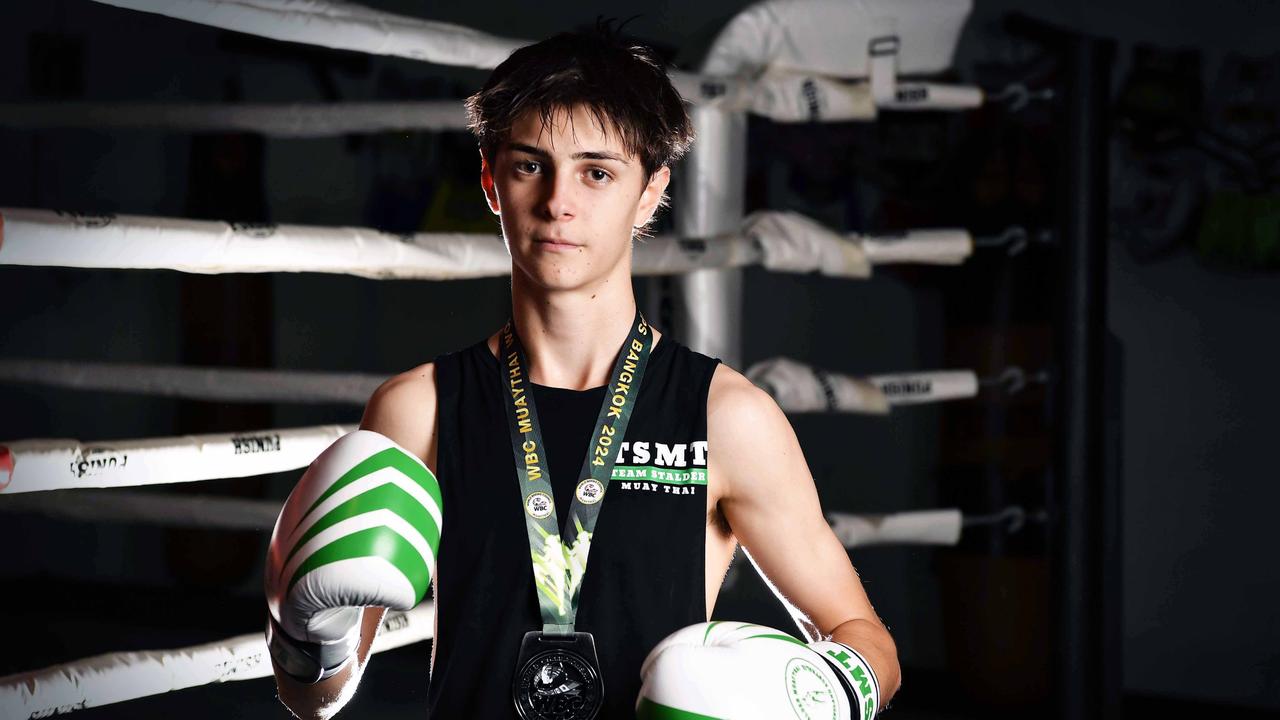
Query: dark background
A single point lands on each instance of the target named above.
(1194, 308)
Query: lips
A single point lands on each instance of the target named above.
(555, 241)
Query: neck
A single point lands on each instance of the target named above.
(571, 337)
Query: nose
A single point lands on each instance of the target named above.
(559, 202)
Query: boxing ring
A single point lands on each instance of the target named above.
(787, 61)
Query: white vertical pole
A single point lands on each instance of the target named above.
(708, 201)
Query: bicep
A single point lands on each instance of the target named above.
(773, 508)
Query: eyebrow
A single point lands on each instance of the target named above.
(585, 155)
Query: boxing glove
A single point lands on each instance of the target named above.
(361, 528)
(741, 671)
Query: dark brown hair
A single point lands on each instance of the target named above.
(622, 85)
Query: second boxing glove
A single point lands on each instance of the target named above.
(741, 671)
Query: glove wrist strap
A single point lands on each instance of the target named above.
(855, 673)
(309, 662)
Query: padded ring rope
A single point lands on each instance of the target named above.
(211, 384)
(32, 465)
(282, 120)
(780, 241)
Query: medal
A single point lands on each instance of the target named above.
(558, 677)
(557, 671)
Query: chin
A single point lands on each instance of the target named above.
(552, 275)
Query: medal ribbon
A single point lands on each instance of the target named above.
(559, 566)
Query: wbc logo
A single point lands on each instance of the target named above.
(590, 492)
(538, 505)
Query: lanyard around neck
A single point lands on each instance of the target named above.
(559, 566)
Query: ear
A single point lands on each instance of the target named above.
(486, 182)
(651, 196)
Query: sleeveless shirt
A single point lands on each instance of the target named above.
(645, 575)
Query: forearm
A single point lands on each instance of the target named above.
(874, 643)
(324, 699)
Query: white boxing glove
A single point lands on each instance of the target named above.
(361, 528)
(741, 671)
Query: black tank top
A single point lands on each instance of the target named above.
(645, 576)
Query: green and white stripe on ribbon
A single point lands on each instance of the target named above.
(385, 504)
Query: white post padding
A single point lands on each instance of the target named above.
(792, 242)
(786, 96)
(811, 43)
(831, 37)
(709, 201)
(119, 677)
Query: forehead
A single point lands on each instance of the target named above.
(564, 131)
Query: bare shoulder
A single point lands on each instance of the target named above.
(735, 404)
(404, 409)
(746, 430)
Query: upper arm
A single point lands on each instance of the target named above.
(404, 409)
(771, 504)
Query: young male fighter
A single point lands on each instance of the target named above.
(662, 460)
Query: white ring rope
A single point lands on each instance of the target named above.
(42, 237)
(118, 677)
(196, 383)
(927, 527)
(782, 97)
(31, 465)
(921, 527)
(795, 386)
(918, 388)
(340, 25)
(285, 120)
(800, 388)
(780, 241)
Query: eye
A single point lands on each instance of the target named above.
(598, 175)
(528, 167)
